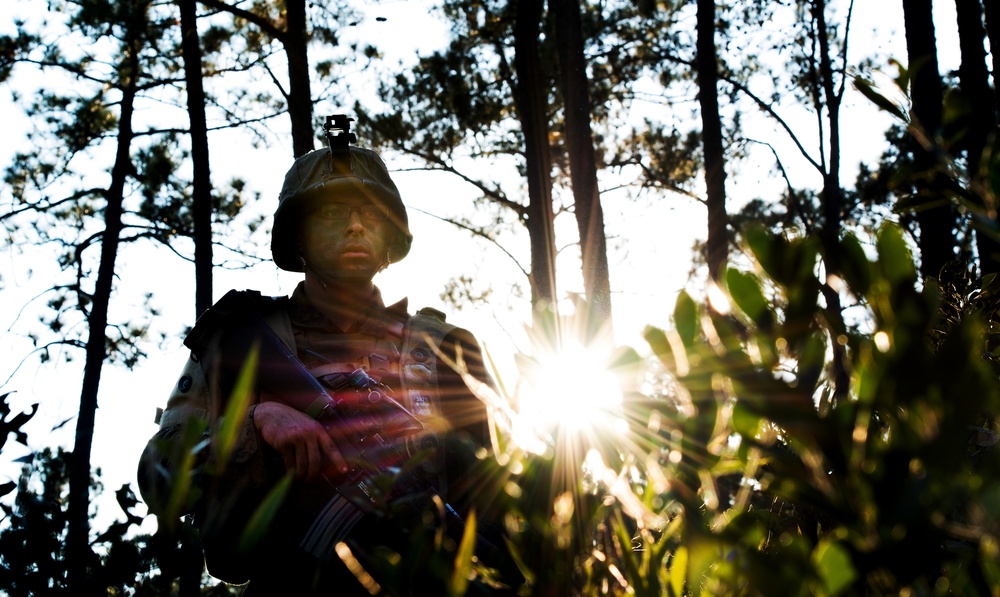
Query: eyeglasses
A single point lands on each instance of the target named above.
(339, 211)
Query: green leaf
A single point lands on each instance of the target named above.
(766, 248)
(182, 492)
(657, 555)
(802, 254)
(662, 348)
(627, 557)
(686, 318)
(239, 401)
(703, 552)
(868, 90)
(463, 558)
(678, 571)
(749, 297)
(834, 566)
(745, 421)
(811, 361)
(902, 79)
(894, 256)
(854, 265)
(989, 555)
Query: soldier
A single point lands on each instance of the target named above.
(346, 388)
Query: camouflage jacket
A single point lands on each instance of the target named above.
(218, 470)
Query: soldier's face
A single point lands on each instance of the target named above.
(346, 238)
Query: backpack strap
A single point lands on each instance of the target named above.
(418, 373)
(233, 304)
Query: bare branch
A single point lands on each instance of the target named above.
(48, 205)
(761, 104)
(476, 232)
(73, 343)
(35, 298)
(843, 52)
(265, 24)
(275, 80)
(651, 180)
(440, 165)
(792, 194)
(765, 107)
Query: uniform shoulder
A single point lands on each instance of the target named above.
(233, 303)
(247, 300)
(433, 323)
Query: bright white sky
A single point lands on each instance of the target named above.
(648, 269)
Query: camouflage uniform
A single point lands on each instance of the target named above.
(390, 345)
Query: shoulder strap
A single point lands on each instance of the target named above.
(233, 303)
(418, 374)
(418, 361)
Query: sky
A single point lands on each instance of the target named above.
(650, 265)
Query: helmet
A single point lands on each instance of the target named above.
(315, 178)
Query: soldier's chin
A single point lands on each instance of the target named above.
(362, 273)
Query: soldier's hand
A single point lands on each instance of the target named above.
(304, 444)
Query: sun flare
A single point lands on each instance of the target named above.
(573, 391)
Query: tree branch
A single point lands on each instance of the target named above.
(476, 232)
(843, 52)
(36, 206)
(44, 347)
(492, 194)
(792, 194)
(765, 107)
(761, 104)
(265, 24)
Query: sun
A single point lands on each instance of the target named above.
(572, 390)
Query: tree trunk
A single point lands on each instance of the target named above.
(294, 38)
(706, 64)
(833, 195)
(934, 216)
(580, 146)
(530, 99)
(296, 41)
(992, 11)
(981, 123)
(191, 563)
(201, 187)
(79, 554)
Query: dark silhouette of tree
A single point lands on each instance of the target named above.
(580, 148)
(34, 552)
(715, 164)
(991, 12)
(532, 107)
(449, 110)
(288, 22)
(812, 68)
(61, 201)
(978, 127)
(463, 106)
(934, 214)
(201, 180)
(289, 28)
(135, 25)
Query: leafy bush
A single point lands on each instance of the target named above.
(758, 475)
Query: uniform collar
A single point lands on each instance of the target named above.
(305, 315)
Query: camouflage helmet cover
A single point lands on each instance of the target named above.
(314, 179)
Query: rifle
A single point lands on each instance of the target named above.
(359, 407)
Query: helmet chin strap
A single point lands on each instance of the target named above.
(317, 275)
(385, 262)
(323, 279)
